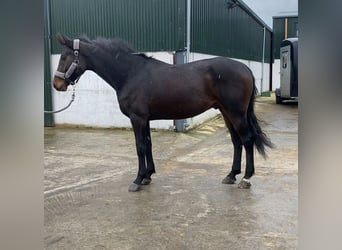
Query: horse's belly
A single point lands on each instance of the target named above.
(178, 110)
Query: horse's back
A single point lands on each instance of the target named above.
(213, 78)
(167, 91)
(229, 67)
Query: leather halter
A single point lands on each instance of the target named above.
(73, 66)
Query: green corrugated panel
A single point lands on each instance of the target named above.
(292, 27)
(279, 32)
(157, 25)
(149, 25)
(221, 31)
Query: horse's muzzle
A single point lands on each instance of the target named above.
(59, 84)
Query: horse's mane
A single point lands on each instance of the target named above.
(113, 46)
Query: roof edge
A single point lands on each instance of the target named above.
(286, 14)
(246, 8)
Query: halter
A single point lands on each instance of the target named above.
(73, 66)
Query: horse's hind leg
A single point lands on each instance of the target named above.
(236, 167)
(249, 172)
(242, 127)
(241, 135)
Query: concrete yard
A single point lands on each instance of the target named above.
(88, 206)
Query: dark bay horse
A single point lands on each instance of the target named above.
(148, 89)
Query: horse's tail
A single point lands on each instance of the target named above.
(260, 138)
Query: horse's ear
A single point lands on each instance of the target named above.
(64, 40)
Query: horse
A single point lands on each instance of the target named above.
(148, 89)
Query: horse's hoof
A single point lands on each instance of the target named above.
(134, 187)
(146, 181)
(228, 180)
(244, 184)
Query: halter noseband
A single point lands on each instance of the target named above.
(73, 66)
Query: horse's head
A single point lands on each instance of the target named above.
(71, 64)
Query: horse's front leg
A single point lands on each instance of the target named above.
(140, 132)
(149, 158)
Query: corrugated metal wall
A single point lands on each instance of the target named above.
(160, 25)
(279, 32)
(148, 25)
(232, 32)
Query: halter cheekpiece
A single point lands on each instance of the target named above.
(73, 66)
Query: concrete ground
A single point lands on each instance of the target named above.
(88, 171)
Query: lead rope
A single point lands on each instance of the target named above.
(67, 106)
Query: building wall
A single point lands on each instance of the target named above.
(157, 26)
(276, 75)
(160, 25)
(279, 34)
(148, 25)
(96, 102)
(236, 32)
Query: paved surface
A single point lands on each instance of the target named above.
(88, 171)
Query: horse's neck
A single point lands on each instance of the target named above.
(111, 68)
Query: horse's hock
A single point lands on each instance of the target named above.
(185, 206)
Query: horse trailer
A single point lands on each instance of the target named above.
(288, 71)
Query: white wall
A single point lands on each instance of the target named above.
(96, 102)
(276, 74)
